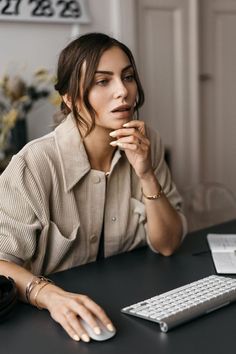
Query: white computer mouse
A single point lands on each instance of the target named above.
(105, 333)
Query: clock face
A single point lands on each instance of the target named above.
(67, 11)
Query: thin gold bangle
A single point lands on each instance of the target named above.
(36, 280)
(155, 196)
(37, 292)
(30, 286)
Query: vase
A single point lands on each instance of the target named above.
(18, 136)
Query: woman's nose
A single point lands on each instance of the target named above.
(120, 90)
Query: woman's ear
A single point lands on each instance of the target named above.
(67, 100)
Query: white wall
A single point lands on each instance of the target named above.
(26, 47)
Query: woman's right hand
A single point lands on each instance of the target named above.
(68, 308)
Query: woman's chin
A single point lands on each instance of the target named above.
(114, 124)
(120, 122)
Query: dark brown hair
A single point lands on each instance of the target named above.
(87, 49)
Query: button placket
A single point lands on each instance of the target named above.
(96, 195)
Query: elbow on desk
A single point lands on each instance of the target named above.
(168, 244)
(169, 241)
(171, 249)
(167, 250)
(164, 251)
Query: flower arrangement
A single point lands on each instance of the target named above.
(18, 97)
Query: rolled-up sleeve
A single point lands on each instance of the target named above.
(19, 212)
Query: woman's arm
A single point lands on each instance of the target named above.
(164, 224)
(163, 221)
(65, 308)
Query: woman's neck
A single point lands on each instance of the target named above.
(99, 150)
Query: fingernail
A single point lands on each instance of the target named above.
(97, 330)
(113, 143)
(125, 125)
(119, 144)
(85, 337)
(75, 337)
(112, 133)
(110, 327)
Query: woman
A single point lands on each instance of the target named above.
(96, 186)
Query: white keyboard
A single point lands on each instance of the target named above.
(187, 302)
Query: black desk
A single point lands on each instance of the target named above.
(122, 280)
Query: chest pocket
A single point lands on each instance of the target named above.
(56, 250)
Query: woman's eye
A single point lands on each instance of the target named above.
(129, 78)
(102, 82)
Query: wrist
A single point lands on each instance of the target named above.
(35, 282)
(35, 289)
(156, 196)
(43, 295)
(148, 177)
(151, 188)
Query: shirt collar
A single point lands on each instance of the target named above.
(73, 157)
(72, 154)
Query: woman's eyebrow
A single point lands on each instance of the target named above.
(111, 72)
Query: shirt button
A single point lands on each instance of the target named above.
(93, 238)
(113, 218)
(96, 179)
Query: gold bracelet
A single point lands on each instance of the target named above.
(155, 196)
(37, 292)
(31, 285)
(34, 281)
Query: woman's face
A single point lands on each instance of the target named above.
(114, 91)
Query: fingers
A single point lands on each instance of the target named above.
(74, 327)
(71, 324)
(132, 140)
(89, 311)
(138, 124)
(126, 132)
(98, 312)
(72, 308)
(130, 128)
(132, 136)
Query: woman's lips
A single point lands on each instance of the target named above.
(122, 111)
(121, 108)
(122, 114)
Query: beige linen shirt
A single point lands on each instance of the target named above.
(52, 204)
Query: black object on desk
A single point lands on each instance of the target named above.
(124, 279)
(8, 297)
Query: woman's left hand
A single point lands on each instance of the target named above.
(132, 139)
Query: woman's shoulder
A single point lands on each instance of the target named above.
(34, 155)
(38, 148)
(34, 162)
